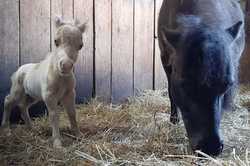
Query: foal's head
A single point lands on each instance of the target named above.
(68, 41)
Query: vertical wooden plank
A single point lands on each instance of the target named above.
(248, 18)
(67, 9)
(60, 8)
(9, 44)
(143, 44)
(103, 49)
(83, 11)
(160, 75)
(122, 49)
(34, 30)
(245, 59)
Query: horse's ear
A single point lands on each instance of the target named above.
(58, 22)
(170, 36)
(82, 27)
(235, 29)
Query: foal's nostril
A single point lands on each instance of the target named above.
(66, 66)
(81, 46)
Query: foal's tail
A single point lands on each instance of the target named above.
(17, 79)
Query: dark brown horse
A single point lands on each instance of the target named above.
(201, 43)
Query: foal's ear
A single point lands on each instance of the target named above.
(82, 27)
(170, 36)
(235, 29)
(58, 22)
(76, 22)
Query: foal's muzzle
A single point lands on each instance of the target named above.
(66, 66)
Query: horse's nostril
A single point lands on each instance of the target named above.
(213, 149)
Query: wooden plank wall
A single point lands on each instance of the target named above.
(120, 55)
(143, 38)
(9, 43)
(245, 60)
(160, 79)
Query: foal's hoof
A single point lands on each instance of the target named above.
(6, 131)
(57, 144)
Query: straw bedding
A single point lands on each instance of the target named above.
(135, 133)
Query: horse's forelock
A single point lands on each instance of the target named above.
(188, 21)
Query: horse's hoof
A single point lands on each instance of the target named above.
(175, 120)
(78, 133)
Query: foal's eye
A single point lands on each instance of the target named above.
(57, 42)
(80, 47)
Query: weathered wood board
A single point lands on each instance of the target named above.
(103, 49)
(34, 30)
(9, 44)
(84, 70)
(63, 9)
(159, 75)
(122, 49)
(143, 45)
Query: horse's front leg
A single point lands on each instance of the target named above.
(52, 105)
(68, 103)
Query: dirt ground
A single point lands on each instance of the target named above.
(135, 133)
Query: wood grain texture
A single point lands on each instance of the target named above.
(34, 30)
(83, 11)
(9, 44)
(122, 49)
(63, 9)
(160, 75)
(248, 18)
(245, 59)
(103, 49)
(143, 44)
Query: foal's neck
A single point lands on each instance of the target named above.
(54, 63)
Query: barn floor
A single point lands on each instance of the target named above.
(136, 133)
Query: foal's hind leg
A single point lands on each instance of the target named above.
(24, 105)
(10, 102)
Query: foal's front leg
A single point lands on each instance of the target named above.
(68, 103)
(52, 105)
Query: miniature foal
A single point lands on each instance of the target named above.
(52, 81)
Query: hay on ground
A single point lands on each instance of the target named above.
(135, 133)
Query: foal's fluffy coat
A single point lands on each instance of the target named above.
(52, 81)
